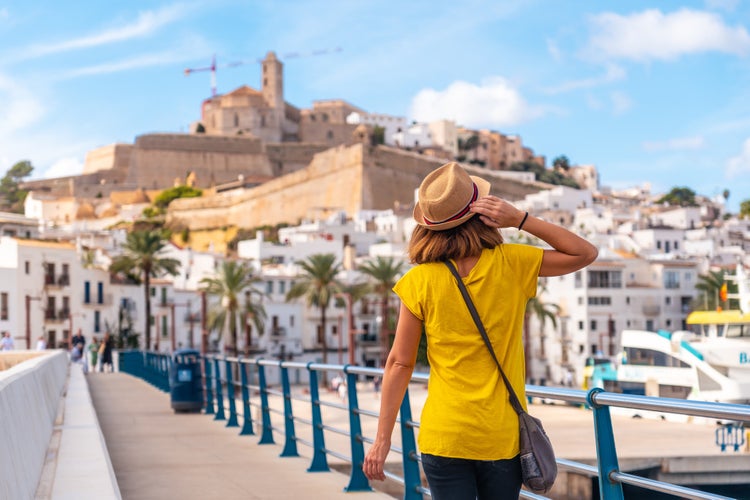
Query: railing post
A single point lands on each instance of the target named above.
(319, 461)
(209, 391)
(219, 396)
(412, 479)
(606, 454)
(232, 421)
(266, 436)
(290, 442)
(247, 419)
(357, 479)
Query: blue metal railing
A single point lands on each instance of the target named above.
(225, 375)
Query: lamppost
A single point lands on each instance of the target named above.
(204, 328)
(348, 301)
(29, 298)
(172, 320)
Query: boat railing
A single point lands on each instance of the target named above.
(237, 388)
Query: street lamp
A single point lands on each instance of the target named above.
(348, 300)
(28, 319)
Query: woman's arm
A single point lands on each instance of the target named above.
(396, 377)
(570, 252)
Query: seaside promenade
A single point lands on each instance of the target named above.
(157, 454)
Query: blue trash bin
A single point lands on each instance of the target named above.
(186, 381)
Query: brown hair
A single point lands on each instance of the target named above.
(465, 240)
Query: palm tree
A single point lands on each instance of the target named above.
(709, 285)
(384, 271)
(227, 286)
(319, 285)
(142, 254)
(542, 311)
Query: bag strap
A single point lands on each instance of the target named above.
(477, 320)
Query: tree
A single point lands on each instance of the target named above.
(561, 163)
(142, 256)
(319, 285)
(378, 135)
(384, 272)
(169, 195)
(745, 209)
(711, 296)
(9, 190)
(234, 278)
(680, 196)
(542, 311)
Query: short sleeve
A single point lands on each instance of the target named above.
(526, 261)
(410, 290)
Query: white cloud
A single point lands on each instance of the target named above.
(142, 61)
(63, 168)
(20, 108)
(620, 102)
(612, 74)
(4, 14)
(728, 5)
(146, 24)
(675, 144)
(739, 165)
(493, 103)
(652, 34)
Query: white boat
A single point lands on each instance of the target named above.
(711, 362)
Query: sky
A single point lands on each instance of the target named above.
(648, 92)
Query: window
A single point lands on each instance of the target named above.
(650, 357)
(600, 301)
(269, 287)
(671, 280)
(291, 320)
(164, 296)
(153, 291)
(580, 325)
(26, 267)
(97, 321)
(667, 300)
(605, 279)
(87, 292)
(593, 325)
(329, 135)
(282, 287)
(578, 279)
(4, 305)
(100, 293)
(164, 331)
(627, 300)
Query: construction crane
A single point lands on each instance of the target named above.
(214, 67)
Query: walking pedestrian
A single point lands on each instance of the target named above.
(6, 342)
(468, 435)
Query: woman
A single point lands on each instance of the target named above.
(468, 435)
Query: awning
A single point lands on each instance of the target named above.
(717, 318)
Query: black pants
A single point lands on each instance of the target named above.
(463, 479)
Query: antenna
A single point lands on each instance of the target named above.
(291, 55)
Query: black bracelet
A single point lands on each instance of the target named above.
(523, 221)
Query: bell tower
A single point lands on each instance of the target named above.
(273, 82)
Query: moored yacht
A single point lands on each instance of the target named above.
(710, 362)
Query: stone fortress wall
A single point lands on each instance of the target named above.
(358, 177)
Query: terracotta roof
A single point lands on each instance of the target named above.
(244, 90)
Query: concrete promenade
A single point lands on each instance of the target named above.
(157, 454)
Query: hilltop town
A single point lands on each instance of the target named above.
(278, 184)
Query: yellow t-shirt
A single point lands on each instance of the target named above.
(467, 413)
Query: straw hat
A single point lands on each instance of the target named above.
(446, 195)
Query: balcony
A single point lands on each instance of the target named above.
(97, 300)
(55, 316)
(278, 332)
(63, 314)
(651, 309)
(63, 280)
(56, 281)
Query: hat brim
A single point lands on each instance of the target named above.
(483, 189)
